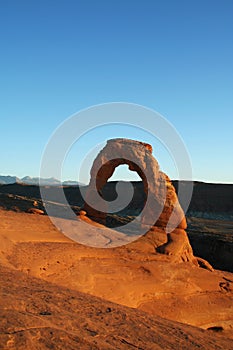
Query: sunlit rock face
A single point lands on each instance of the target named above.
(161, 207)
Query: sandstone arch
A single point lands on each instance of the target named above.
(138, 156)
(163, 211)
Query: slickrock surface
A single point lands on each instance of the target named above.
(133, 275)
(36, 314)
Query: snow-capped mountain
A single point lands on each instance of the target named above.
(36, 181)
(7, 180)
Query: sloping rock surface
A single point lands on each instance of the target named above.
(36, 314)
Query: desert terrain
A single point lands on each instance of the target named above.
(56, 293)
(116, 177)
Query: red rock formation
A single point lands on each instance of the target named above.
(162, 208)
(35, 211)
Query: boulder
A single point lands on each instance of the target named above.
(35, 211)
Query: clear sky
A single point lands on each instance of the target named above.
(174, 56)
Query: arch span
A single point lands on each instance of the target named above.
(161, 199)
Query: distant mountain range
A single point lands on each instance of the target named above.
(27, 180)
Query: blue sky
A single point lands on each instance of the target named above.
(174, 56)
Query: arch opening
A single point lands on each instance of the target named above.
(107, 190)
(138, 156)
(123, 173)
(107, 170)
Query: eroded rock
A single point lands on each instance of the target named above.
(161, 209)
(35, 211)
